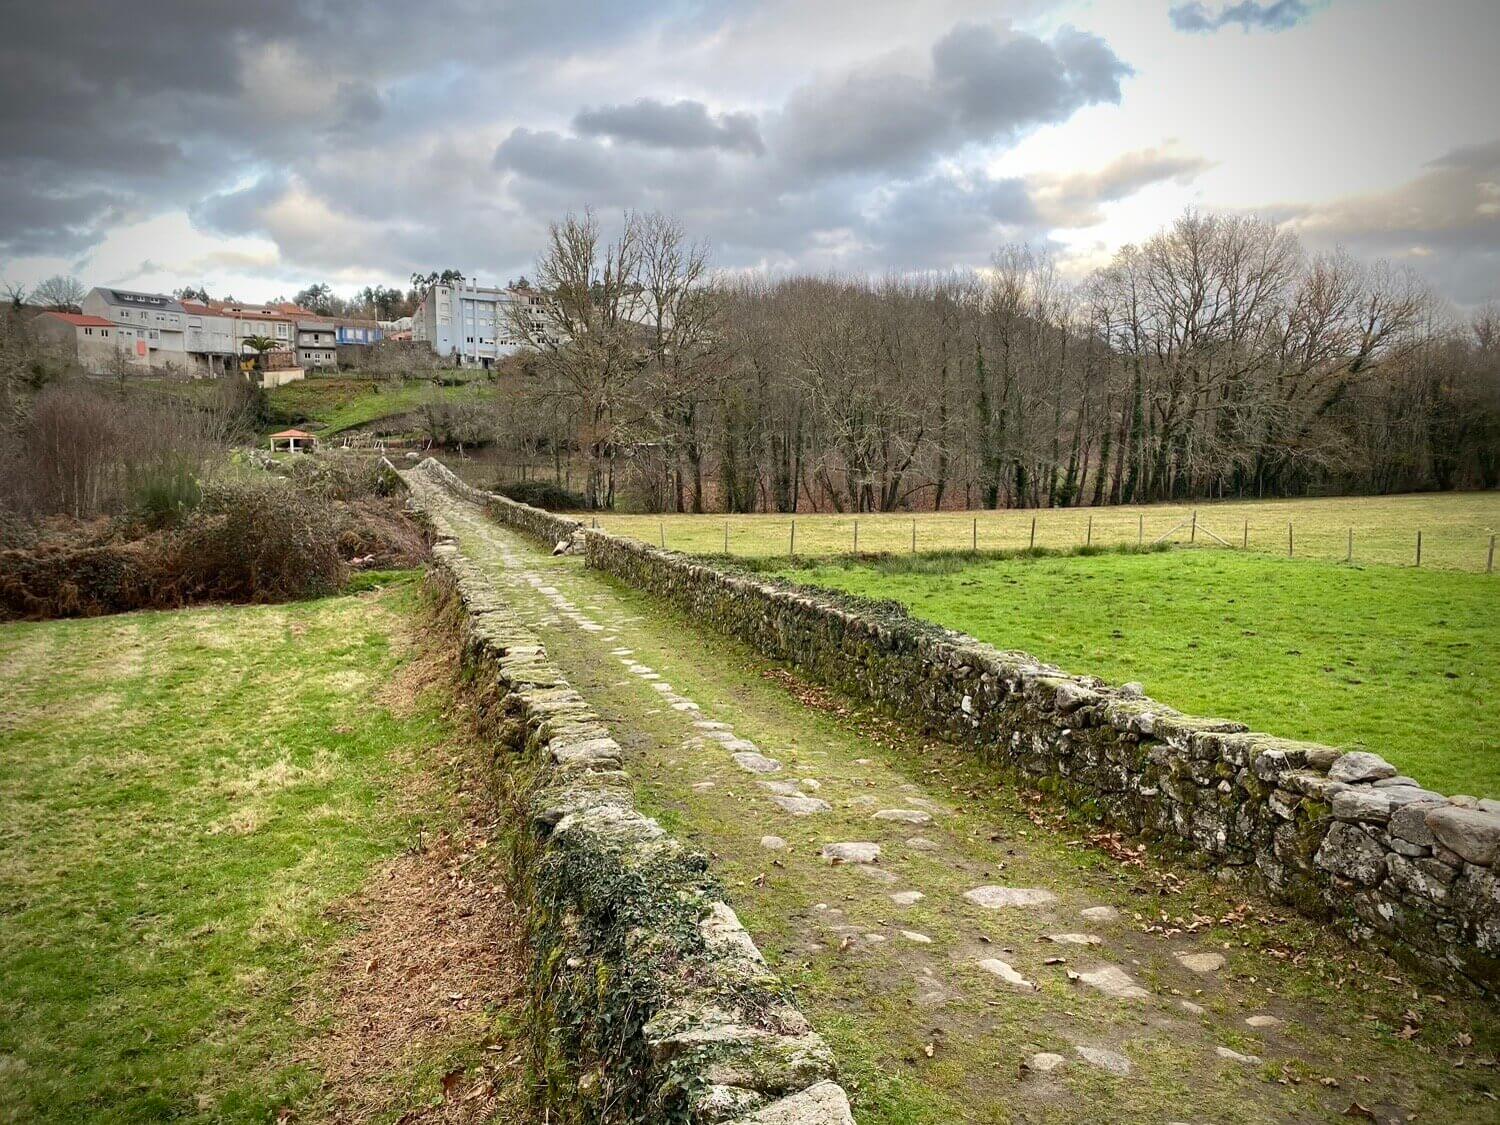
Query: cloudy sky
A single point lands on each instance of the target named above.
(258, 146)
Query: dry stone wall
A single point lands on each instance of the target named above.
(650, 1002)
(1339, 835)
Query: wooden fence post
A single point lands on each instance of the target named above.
(1489, 567)
(1245, 542)
(726, 538)
(663, 526)
(1193, 535)
(1088, 539)
(792, 549)
(1349, 554)
(1033, 531)
(1288, 538)
(1419, 546)
(974, 536)
(914, 537)
(1140, 528)
(856, 537)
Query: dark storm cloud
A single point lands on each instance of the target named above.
(1278, 15)
(985, 85)
(680, 124)
(155, 106)
(362, 134)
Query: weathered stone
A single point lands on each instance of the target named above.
(772, 843)
(907, 898)
(1003, 970)
(1201, 962)
(853, 852)
(1235, 1056)
(751, 762)
(1045, 1062)
(1358, 765)
(1099, 913)
(1115, 982)
(1349, 852)
(1472, 833)
(1410, 823)
(822, 1104)
(1112, 1061)
(921, 844)
(904, 816)
(1361, 803)
(802, 806)
(914, 936)
(1262, 1021)
(993, 898)
(1074, 939)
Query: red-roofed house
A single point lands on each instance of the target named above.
(90, 341)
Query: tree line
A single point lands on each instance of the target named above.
(1218, 358)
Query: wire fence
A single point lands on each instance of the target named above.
(1457, 535)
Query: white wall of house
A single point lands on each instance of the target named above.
(151, 327)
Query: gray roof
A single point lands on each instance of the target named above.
(129, 299)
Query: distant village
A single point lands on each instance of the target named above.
(119, 331)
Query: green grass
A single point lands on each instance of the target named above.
(334, 404)
(1456, 529)
(1402, 662)
(182, 797)
(866, 997)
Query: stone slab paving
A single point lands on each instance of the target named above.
(989, 943)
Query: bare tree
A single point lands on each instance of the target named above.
(60, 293)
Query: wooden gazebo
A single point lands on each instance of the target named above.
(293, 441)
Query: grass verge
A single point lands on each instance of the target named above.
(192, 803)
(1401, 662)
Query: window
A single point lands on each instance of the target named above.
(88, 331)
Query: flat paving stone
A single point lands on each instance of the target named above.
(1115, 982)
(780, 788)
(907, 898)
(802, 806)
(1112, 1061)
(904, 816)
(1235, 1056)
(1075, 939)
(1009, 975)
(851, 852)
(784, 788)
(1099, 913)
(752, 762)
(1045, 1062)
(921, 844)
(920, 939)
(772, 843)
(994, 898)
(1262, 1021)
(1201, 962)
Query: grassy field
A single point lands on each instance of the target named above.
(334, 404)
(1399, 661)
(1456, 529)
(183, 798)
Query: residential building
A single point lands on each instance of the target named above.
(90, 341)
(317, 342)
(150, 327)
(211, 340)
(355, 337)
(470, 323)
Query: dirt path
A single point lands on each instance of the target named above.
(968, 952)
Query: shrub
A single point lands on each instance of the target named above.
(542, 494)
(261, 541)
(164, 493)
(341, 475)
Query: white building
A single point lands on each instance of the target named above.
(470, 323)
(150, 328)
